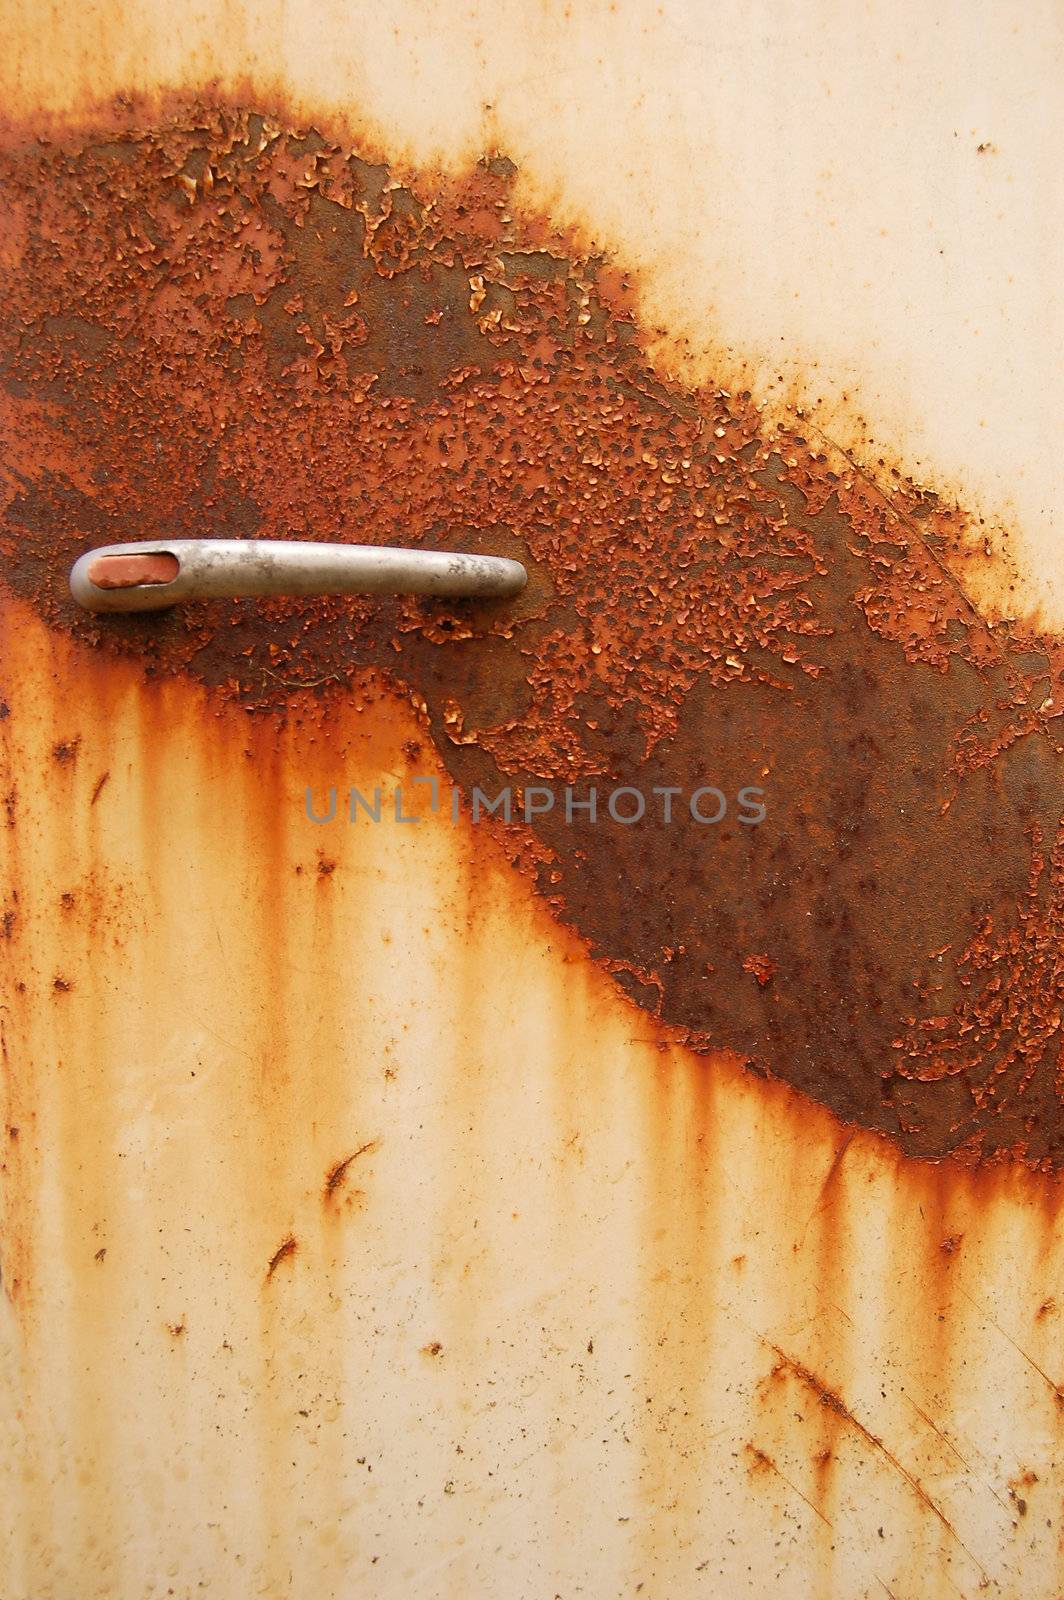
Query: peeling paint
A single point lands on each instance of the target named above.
(283, 339)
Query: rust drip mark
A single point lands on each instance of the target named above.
(284, 1252)
(763, 1462)
(1024, 1480)
(337, 1175)
(827, 1397)
(268, 321)
(99, 787)
(830, 1179)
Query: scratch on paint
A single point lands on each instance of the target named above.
(948, 1442)
(764, 1460)
(1056, 1388)
(827, 1397)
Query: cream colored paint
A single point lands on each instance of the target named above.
(798, 186)
(609, 1241)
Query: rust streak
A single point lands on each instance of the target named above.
(829, 1179)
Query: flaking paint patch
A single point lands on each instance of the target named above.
(864, 227)
(256, 329)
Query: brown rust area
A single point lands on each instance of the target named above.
(218, 325)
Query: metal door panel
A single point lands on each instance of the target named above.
(375, 1218)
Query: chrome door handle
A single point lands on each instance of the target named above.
(148, 575)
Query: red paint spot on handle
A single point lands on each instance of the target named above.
(125, 572)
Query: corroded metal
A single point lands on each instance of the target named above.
(277, 332)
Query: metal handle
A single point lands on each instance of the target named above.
(151, 574)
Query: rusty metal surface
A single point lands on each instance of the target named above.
(224, 321)
(722, 1250)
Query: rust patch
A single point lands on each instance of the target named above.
(219, 324)
(337, 1175)
(66, 752)
(284, 1252)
